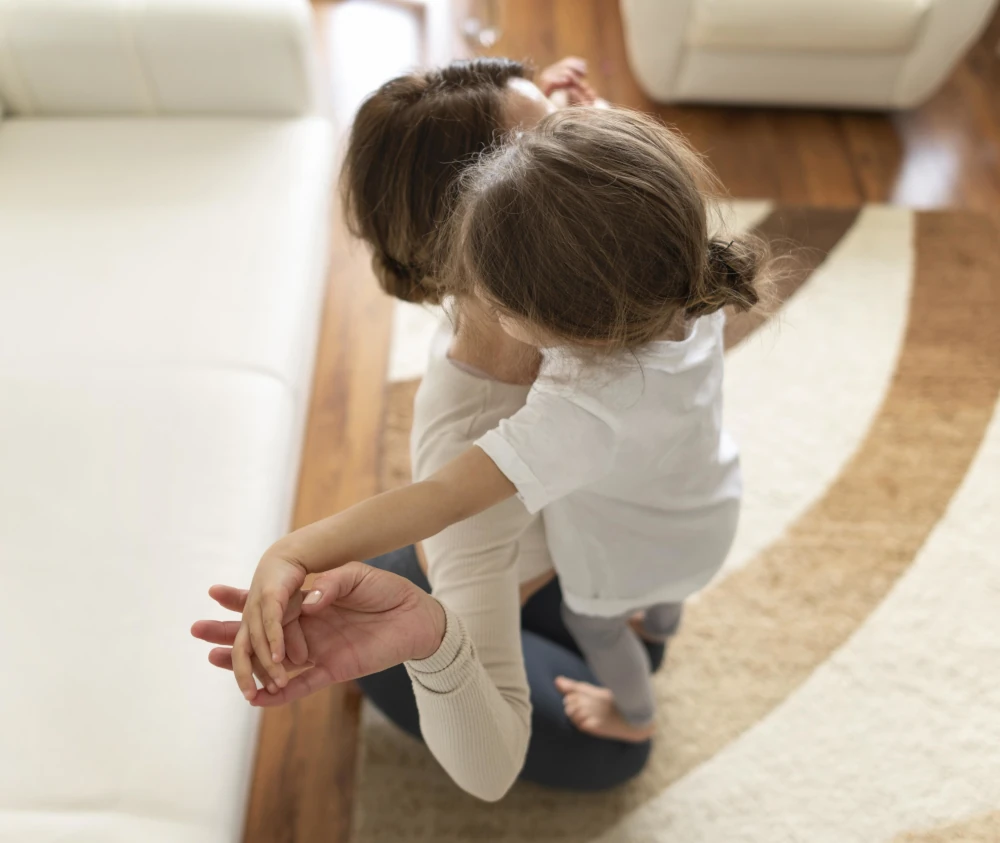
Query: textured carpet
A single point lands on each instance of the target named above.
(837, 682)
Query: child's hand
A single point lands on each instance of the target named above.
(275, 581)
(234, 599)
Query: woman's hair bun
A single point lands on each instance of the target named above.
(732, 275)
(403, 281)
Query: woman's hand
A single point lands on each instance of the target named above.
(570, 76)
(360, 620)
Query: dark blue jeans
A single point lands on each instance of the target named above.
(559, 755)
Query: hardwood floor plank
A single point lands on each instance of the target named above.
(875, 152)
(829, 172)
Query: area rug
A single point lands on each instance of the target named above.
(838, 681)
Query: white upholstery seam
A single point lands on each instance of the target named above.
(143, 84)
(263, 371)
(26, 106)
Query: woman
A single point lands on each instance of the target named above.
(472, 653)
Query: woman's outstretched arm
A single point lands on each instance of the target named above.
(475, 713)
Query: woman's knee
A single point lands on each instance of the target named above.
(574, 761)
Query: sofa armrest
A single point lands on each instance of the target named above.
(655, 34)
(166, 57)
(951, 27)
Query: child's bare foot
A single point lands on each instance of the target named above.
(593, 711)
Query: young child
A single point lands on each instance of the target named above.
(589, 237)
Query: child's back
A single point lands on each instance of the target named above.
(638, 483)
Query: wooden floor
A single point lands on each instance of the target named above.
(946, 153)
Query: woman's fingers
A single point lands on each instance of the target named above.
(216, 632)
(224, 633)
(262, 677)
(242, 666)
(233, 599)
(221, 657)
(294, 607)
(306, 683)
(296, 649)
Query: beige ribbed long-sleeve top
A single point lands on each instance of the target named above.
(472, 694)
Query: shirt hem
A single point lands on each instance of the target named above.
(610, 607)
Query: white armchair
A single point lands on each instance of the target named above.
(848, 53)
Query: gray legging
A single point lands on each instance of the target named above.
(559, 755)
(619, 658)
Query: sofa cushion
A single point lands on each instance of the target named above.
(125, 493)
(64, 57)
(851, 26)
(160, 291)
(166, 242)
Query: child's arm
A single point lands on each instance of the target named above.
(464, 487)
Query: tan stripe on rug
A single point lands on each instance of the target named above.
(984, 829)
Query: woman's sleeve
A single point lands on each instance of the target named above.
(472, 694)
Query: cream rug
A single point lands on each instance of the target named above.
(839, 681)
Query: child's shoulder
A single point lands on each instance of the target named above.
(704, 339)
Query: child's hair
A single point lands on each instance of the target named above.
(593, 227)
(410, 140)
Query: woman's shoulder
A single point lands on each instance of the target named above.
(452, 409)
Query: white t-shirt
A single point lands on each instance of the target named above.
(638, 484)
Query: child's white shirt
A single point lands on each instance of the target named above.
(638, 483)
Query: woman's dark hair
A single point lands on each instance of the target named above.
(593, 227)
(410, 140)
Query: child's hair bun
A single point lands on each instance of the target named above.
(732, 276)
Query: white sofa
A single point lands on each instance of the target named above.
(165, 179)
(837, 53)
